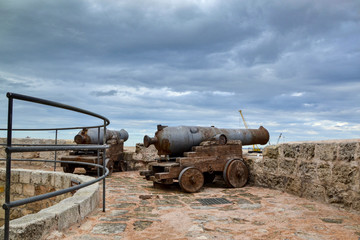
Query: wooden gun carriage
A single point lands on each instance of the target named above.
(195, 155)
(114, 154)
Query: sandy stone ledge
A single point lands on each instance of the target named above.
(57, 217)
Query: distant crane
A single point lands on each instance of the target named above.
(278, 139)
(255, 149)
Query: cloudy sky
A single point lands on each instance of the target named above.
(291, 66)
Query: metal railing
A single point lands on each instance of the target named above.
(10, 148)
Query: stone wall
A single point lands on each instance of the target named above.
(28, 183)
(33, 155)
(66, 213)
(326, 171)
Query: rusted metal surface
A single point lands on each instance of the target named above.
(114, 155)
(93, 135)
(194, 155)
(174, 141)
(201, 165)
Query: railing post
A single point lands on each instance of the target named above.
(56, 137)
(8, 168)
(104, 157)
(98, 152)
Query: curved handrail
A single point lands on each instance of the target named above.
(55, 104)
(11, 149)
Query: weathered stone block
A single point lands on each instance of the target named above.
(59, 181)
(40, 189)
(52, 179)
(258, 163)
(295, 150)
(324, 173)
(28, 190)
(326, 151)
(36, 178)
(45, 179)
(308, 169)
(356, 201)
(293, 186)
(270, 165)
(15, 177)
(66, 213)
(2, 152)
(350, 199)
(2, 175)
(279, 182)
(25, 176)
(16, 188)
(289, 150)
(306, 151)
(344, 173)
(334, 193)
(66, 182)
(261, 180)
(347, 151)
(287, 167)
(271, 180)
(271, 151)
(314, 191)
(357, 152)
(28, 227)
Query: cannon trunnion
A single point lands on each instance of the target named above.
(193, 156)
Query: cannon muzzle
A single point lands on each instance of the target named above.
(149, 140)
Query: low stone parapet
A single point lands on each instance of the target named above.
(28, 183)
(60, 215)
(327, 171)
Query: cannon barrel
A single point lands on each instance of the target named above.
(91, 136)
(174, 141)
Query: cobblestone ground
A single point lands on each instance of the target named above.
(137, 210)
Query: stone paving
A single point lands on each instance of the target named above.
(137, 210)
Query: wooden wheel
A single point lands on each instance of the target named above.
(235, 173)
(69, 168)
(191, 179)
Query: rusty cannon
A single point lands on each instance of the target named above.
(194, 155)
(93, 136)
(114, 155)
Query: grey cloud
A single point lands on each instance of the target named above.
(9, 83)
(260, 52)
(102, 93)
